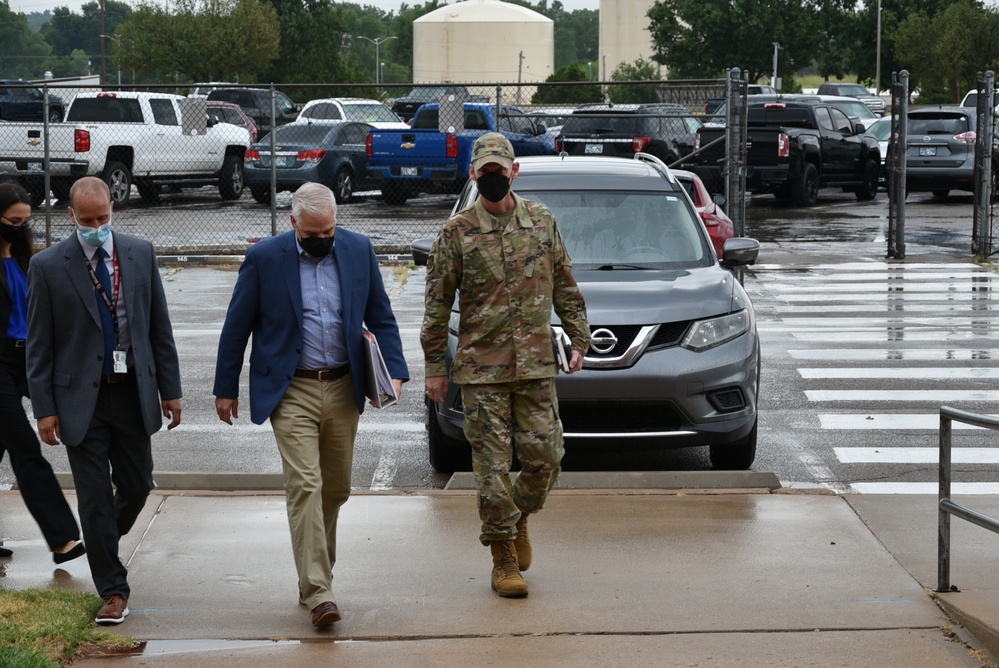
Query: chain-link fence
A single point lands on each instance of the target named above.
(198, 169)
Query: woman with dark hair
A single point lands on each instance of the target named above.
(35, 479)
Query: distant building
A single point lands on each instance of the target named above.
(624, 34)
(483, 41)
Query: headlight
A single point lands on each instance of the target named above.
(452, 323)
(707, 334)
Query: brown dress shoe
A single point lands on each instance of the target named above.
(325, 614)
(114, 610)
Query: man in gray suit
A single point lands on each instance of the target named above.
(102, 373)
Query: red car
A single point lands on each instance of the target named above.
(709, 207)
(227, 112)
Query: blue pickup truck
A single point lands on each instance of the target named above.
(424, 159)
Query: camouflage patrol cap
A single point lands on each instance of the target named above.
(492, 147)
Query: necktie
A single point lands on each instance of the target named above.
(107, 323)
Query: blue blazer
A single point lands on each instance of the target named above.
(267, 303)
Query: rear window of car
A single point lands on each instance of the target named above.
(105, 110)
(597, 123)
(301, 133)
(938, 123)
(475, 119)
(641, 229)
(370, 113)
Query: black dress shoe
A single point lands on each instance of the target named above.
(77, 551)
(4, 552)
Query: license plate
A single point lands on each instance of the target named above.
(408, 171)
(927, 151)
(593, 148)
(34, 166)
(287, 161)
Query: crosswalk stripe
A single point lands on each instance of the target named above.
(915, 455)
(923, 488)
(886, 421)
(933, 396)
(897, 354)
(905, 373)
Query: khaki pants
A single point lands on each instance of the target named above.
(315, 425)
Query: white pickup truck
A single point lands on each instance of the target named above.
(149, 140)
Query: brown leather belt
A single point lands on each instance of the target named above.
(115, 378)
(323, 374)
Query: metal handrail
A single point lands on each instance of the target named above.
(948, 507)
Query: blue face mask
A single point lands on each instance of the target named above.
(94, 236)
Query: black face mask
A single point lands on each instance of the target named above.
(10, 234)
(493, 186)
(317, 247)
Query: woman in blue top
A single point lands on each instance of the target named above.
(35, 479)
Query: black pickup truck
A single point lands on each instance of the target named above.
(795, 148)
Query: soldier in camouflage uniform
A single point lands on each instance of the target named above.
(506, 258)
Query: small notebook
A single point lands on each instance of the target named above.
(562, 345)
(378, 387)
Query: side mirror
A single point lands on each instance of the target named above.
(421, 251)
(859, 129)
(719, 199)
(740, 251)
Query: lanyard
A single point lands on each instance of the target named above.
(115, 285)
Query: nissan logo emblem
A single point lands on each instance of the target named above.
(926, 138)
(603, 340)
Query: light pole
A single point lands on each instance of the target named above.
(773, 80)
(377, 42)
(877, 65)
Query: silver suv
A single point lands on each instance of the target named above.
(873, 102)
(675, 357)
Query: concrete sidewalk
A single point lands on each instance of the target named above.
(635, 578)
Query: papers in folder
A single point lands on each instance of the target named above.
(378, 384)
(562, 345)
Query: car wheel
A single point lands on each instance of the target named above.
(868, 190)
(941, 193)
(736, 456)
(60, 189)
(36, 191)
(446, 455)
(149, 192)
(119, 180)
(231, 178)
(343, 185)
(55, 115)
(395, 196)
(261, 194)
(805, 191)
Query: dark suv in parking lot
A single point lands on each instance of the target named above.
(20, 101)
(621, 130)
(256, 103)
(675, 356)
(940, 150)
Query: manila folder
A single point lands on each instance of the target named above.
(378, 384)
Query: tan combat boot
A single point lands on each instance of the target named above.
(507, 580)
(522, 543)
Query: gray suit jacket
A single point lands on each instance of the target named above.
(65, 344)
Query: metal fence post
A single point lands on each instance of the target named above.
(985, 113)
(897, 148)
(273, 163)
(46, 164)
(735, 142)
(943, 517)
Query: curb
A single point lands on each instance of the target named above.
(462, 481)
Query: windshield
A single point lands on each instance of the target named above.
(854, 109)
(881, 130)
(606, 229)
(370, 112)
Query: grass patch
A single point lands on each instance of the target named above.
(42, 628)
(816, 80)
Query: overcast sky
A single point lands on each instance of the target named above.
(28, 6)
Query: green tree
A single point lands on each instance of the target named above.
(203, 40)
(703, 38)
(640, 70)
(402, 27)
(23, 52)
(567, 95)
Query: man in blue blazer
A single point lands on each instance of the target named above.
(102, 373)
(305, 296)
